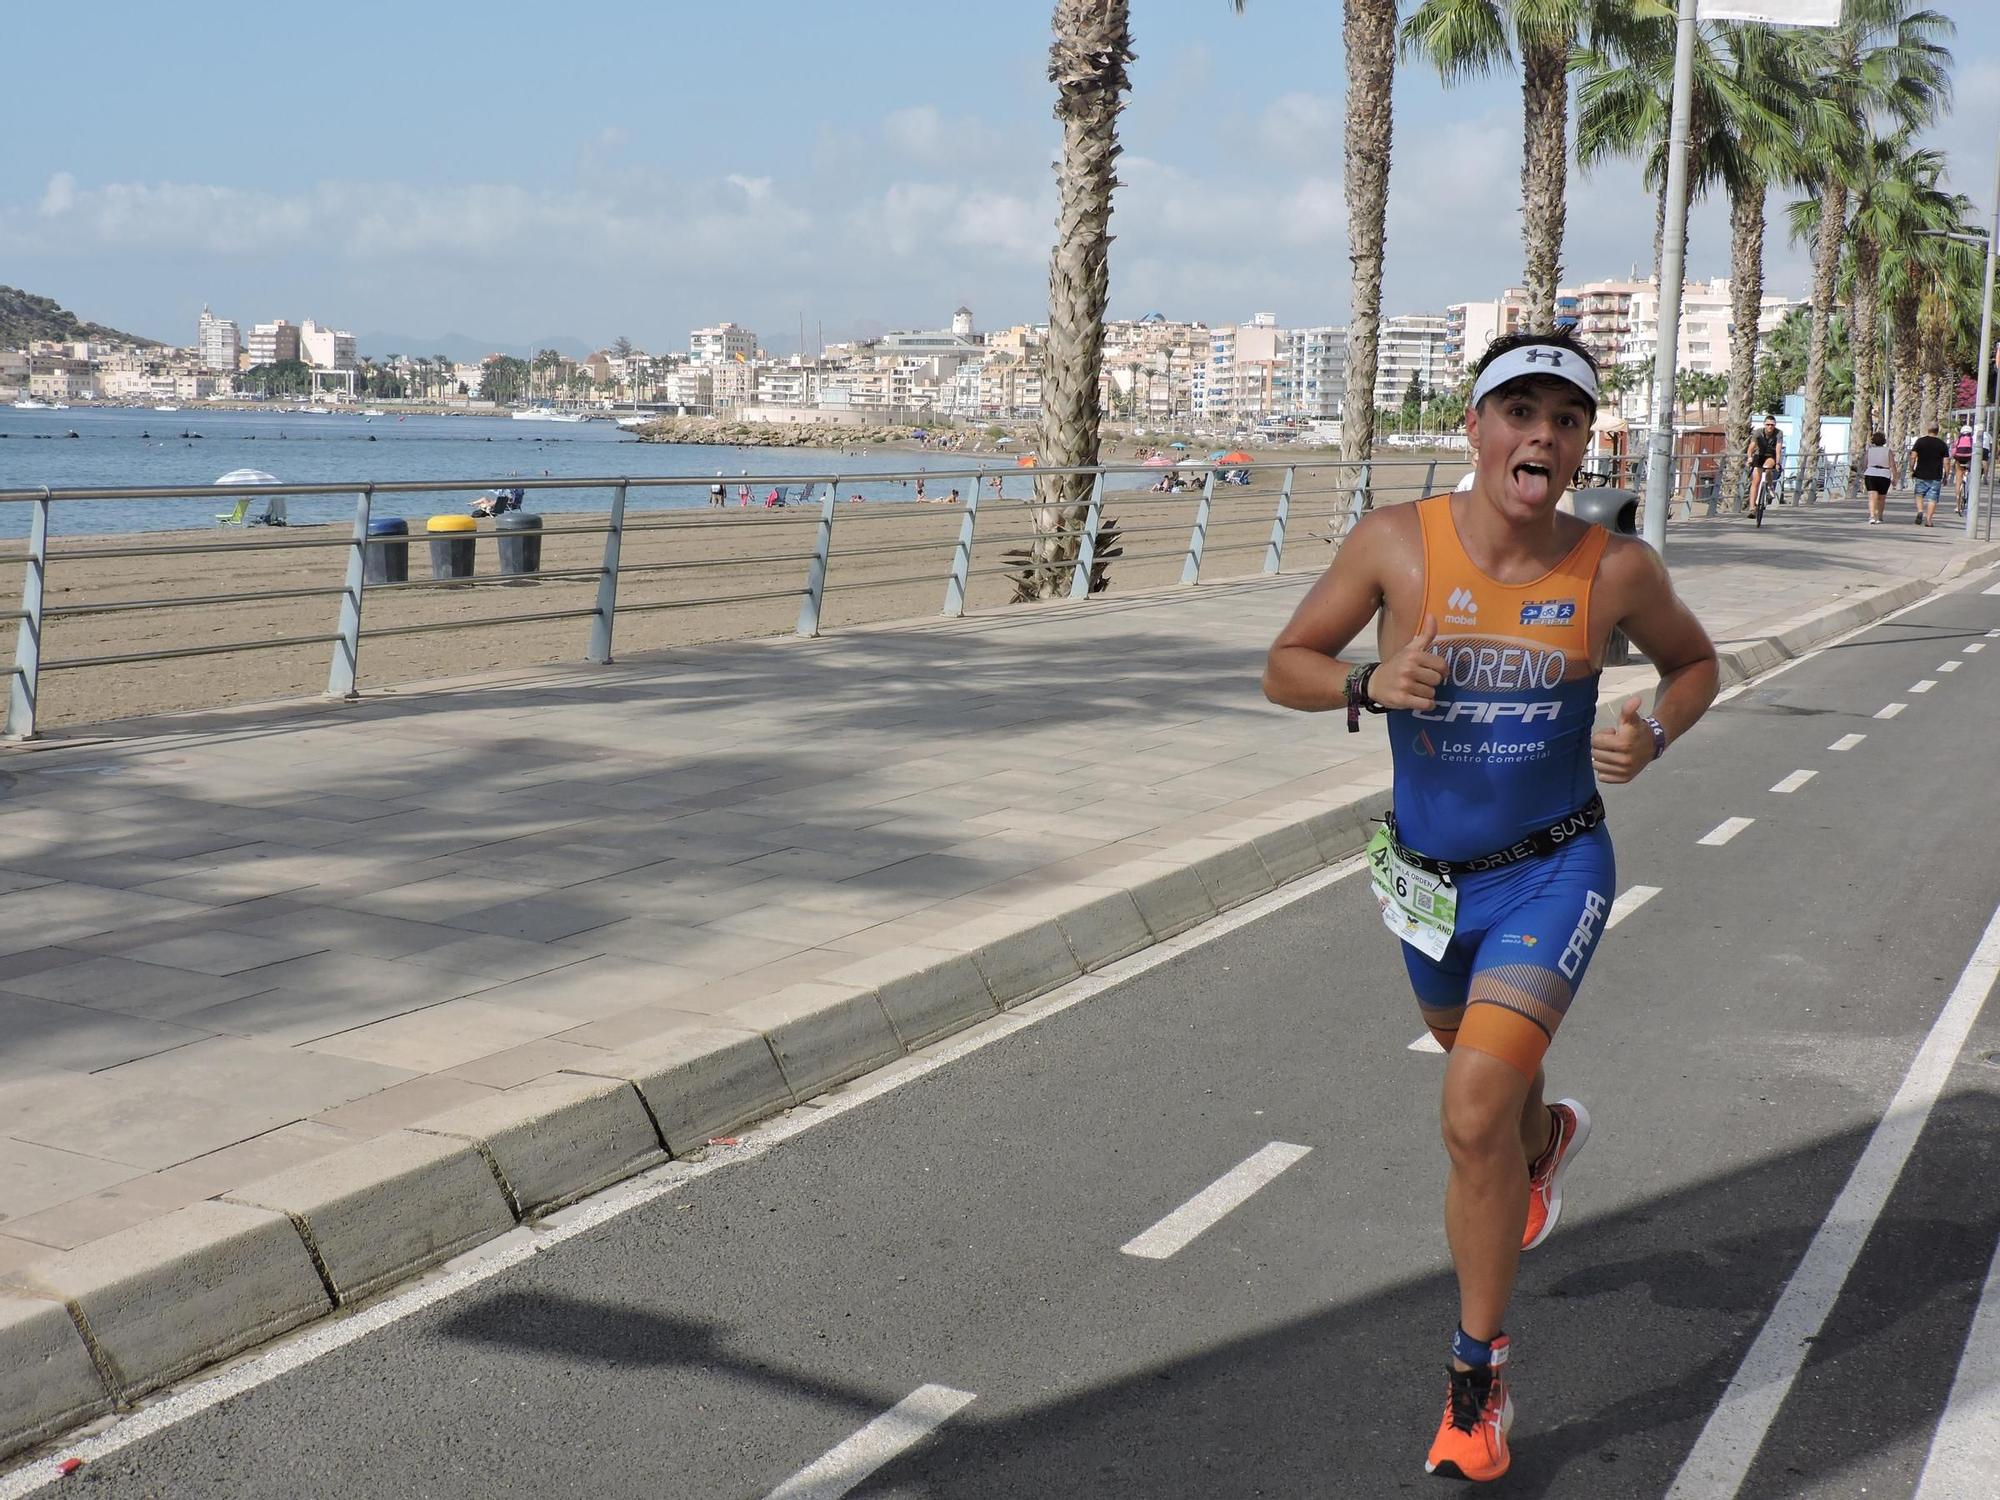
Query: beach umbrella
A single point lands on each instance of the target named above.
(1238, 457)
(999, 440)
(1217, 454)
(249, 476)
(1181, 446)
(1158, 461)
(1025, 461)
(1190, 463)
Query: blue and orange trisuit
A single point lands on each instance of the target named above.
(1503, 757)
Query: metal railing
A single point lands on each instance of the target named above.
(1337, 492)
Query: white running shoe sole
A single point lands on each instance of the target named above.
(1576, 1144)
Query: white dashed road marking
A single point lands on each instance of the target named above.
(1634, 898)
(1995, 589)
(1847, 742)
(1724, 831)
(1207, 1207)
(1890, 711)
(901, 1427)
(1925, 686)
(1975, 648)
(1426, 1043)
(1948, 666)
(1794, 781)
(1722, 1455)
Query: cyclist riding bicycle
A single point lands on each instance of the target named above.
(1766, 454)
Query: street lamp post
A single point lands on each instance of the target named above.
(1673, 251)
(1981, 415)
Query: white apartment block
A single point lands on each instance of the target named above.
(272, 342)
(1410, 345)
(721, 344)
(1247, 374)
(1319, 372)
(1468, 328)
(327, 348)
(218, 342)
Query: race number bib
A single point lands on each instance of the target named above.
(1419, 907)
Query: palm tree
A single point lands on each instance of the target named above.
(1885, 63)
(1471, 39)
(1368, 32)
(1088, 59)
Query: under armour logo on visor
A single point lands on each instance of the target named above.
(1551, 356)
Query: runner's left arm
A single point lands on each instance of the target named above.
(1635, 580)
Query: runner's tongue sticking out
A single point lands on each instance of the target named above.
(1530, 480)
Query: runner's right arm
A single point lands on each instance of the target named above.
(1305, 669)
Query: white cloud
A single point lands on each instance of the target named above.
(1302, 127)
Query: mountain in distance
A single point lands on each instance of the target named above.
(463, 348)
(25, 317)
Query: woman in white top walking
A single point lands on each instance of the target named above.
(1878, 472)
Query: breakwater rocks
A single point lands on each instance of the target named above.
(769, 434)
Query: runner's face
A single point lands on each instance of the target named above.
(1530, 436)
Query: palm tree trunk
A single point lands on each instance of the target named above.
(1746, 298)
(1087, 64)
(1905, 413)
(1867, 358)
(1369, 34)
(1826, 267)
(1544, 156)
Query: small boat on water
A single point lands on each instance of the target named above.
(374, 412)
(629, 423)
(166, 408)
(29, 403)
(548, 414)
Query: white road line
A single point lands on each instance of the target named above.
(1724, 831)
(1965, 1449)
(1974, 649)
(1991, 634)
(1721, 1456)
(1794, 781)
(1847, 742)
(1890, 711)
(1634, 897)
(1426, 1043)
(1923, 687)
(1995, 589)
(1207, 1207)
(1948, 666)
(898, 1429)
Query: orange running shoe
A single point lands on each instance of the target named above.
(1472, 1440)
(1545, 1182)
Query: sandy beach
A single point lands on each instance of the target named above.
(890, 561)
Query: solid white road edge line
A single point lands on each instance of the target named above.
(1847, 742)
(1890, 711)
(1965, 1449)
(1208, 1207)
(1633, 898)
(1924, 686)
(1840, 640)
(1794, 781)
(523, 1242)
(1721, 1456)
(898, 1429)
(1724, 831)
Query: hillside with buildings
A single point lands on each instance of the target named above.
(26, 318)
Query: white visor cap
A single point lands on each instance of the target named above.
(1537, 359)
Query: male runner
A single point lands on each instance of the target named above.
(1927, 456)
(1495, 610)
(1767, 458)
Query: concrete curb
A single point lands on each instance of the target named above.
(149, 1305)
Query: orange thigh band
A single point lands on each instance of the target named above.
(1506, 1034)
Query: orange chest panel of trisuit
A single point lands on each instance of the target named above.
(1507, 638)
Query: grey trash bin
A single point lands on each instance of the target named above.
(520, 537)
(1615, 510)
(387, 561)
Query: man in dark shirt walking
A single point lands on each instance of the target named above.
(1927, 456)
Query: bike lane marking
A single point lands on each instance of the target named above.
(1924, 686)
(1965, 1449)
(1724, 831)
(1847, 742)
(1794, 781)
(1948, 666)
(1721, 1457)
(897, 1430)
(1208, 1207)
(1890, 711)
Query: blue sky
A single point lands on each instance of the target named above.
(516, 171)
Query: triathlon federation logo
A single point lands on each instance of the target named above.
(1461, 600)
(1548, 612)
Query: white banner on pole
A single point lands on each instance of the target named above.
(1771, 12)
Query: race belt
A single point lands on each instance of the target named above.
(1566, 829)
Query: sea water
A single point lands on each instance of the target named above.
(118, 447)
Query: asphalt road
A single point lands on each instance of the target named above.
(1738, 1040)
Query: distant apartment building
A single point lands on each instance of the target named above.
(55, 377)
(327, 348)
(217, 342)
(1706, 320)
(1468, 328)
(271, 343)
(1411, 346)
(1247, 375)
(1319, 372)
(723, 344)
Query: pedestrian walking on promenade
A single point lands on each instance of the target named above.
(1927, 458)
(1878, 472)
(1494, 612)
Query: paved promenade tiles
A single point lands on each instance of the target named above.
(233, 944)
